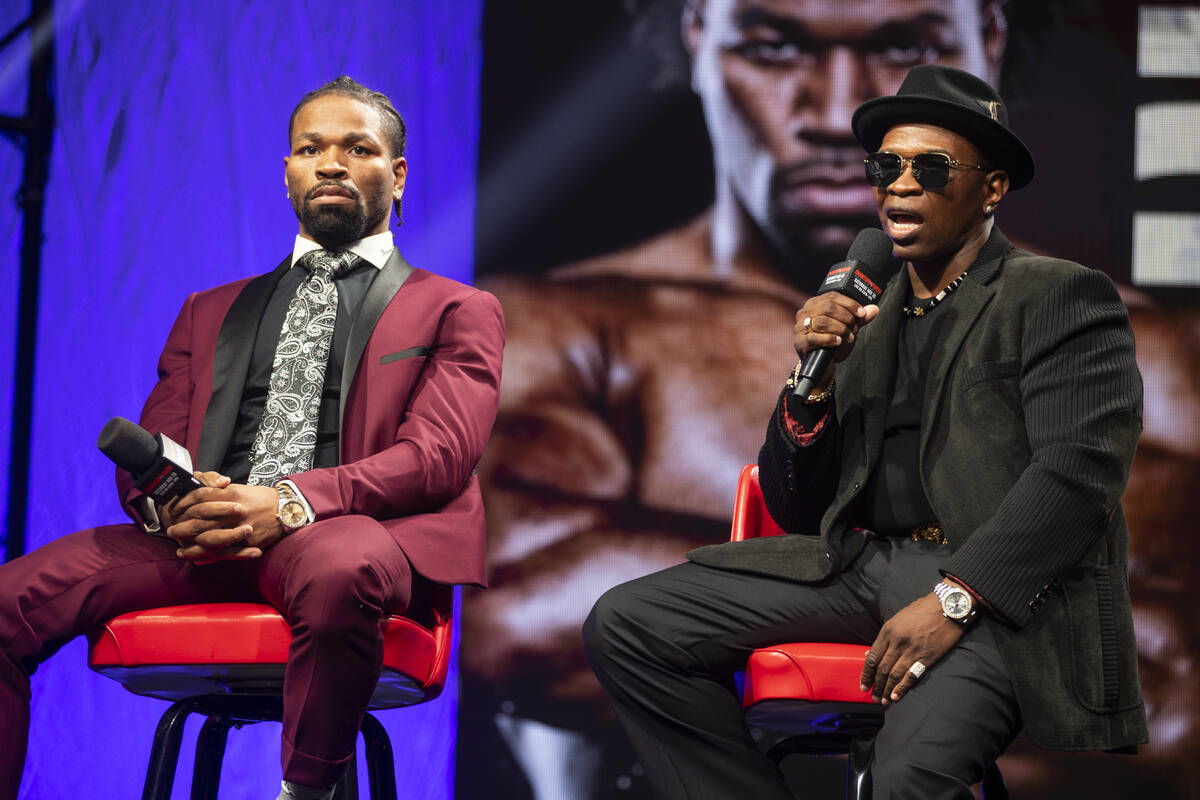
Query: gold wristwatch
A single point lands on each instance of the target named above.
(291, 511)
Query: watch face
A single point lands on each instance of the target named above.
(956, 604)
(292, 514)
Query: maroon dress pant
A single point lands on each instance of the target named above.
(334, 582)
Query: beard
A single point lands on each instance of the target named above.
(810, 239)
(812, 242)
(334, 225)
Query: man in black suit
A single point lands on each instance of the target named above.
(956, 497)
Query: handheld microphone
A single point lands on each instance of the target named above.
(861, 277)
(159, 467)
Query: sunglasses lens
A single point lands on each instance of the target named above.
(883, 168)
(931, 170)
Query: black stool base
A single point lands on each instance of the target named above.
(229, 711)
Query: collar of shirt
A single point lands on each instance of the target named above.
(375, 250)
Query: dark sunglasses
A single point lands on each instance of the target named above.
(931, 170)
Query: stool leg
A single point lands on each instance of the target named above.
(164, 753)
(347, 787)
(210, 751)
(858, 767)
(381, 770)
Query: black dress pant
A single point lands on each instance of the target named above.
(665, 647)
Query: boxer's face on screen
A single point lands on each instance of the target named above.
(780, 79)
(340, 174)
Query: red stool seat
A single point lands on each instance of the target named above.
(241, 648)
(226, 662)
(809, 687)
(806, 671)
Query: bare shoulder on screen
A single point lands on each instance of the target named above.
(682, 252)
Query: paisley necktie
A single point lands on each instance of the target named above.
(287, 435)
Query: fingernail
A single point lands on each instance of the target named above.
(895, 696)
(862, 687)
(179, 552)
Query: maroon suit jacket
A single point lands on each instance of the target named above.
(419, 389)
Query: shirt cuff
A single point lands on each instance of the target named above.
(805, 430)
(147, 509)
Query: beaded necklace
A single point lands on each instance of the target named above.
(920, 311)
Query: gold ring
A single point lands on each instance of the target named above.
(806, 324)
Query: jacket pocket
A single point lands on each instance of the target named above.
(991, 397)
(1103, 649)
(989, 370)
(409, 353)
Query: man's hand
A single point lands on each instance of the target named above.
(224, 520)
(830, 320)
(917, 632)
(169, 514)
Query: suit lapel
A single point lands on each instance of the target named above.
(878, 363)
(235, 344)
(389, 280)
(971, 298)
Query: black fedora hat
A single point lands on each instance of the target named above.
(949, 98)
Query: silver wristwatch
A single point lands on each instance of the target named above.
(957, 603)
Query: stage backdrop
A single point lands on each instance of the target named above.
(14, 84)
(167, 178)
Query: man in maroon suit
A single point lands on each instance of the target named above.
(330, 494)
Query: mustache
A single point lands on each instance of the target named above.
(349, 190)
(835, 166)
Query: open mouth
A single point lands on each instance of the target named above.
(903, 221)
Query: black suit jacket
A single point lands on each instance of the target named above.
(1032, 414)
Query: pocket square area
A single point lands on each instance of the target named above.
(409, 353)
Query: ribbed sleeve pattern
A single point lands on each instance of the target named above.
(1081, 397)
(798, 483)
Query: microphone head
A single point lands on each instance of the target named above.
(128, 444)
(872, 249)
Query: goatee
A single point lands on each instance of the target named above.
(334, 225)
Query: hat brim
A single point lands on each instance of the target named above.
(874, 118)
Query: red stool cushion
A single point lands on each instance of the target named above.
(812, 672)
(219, 648)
